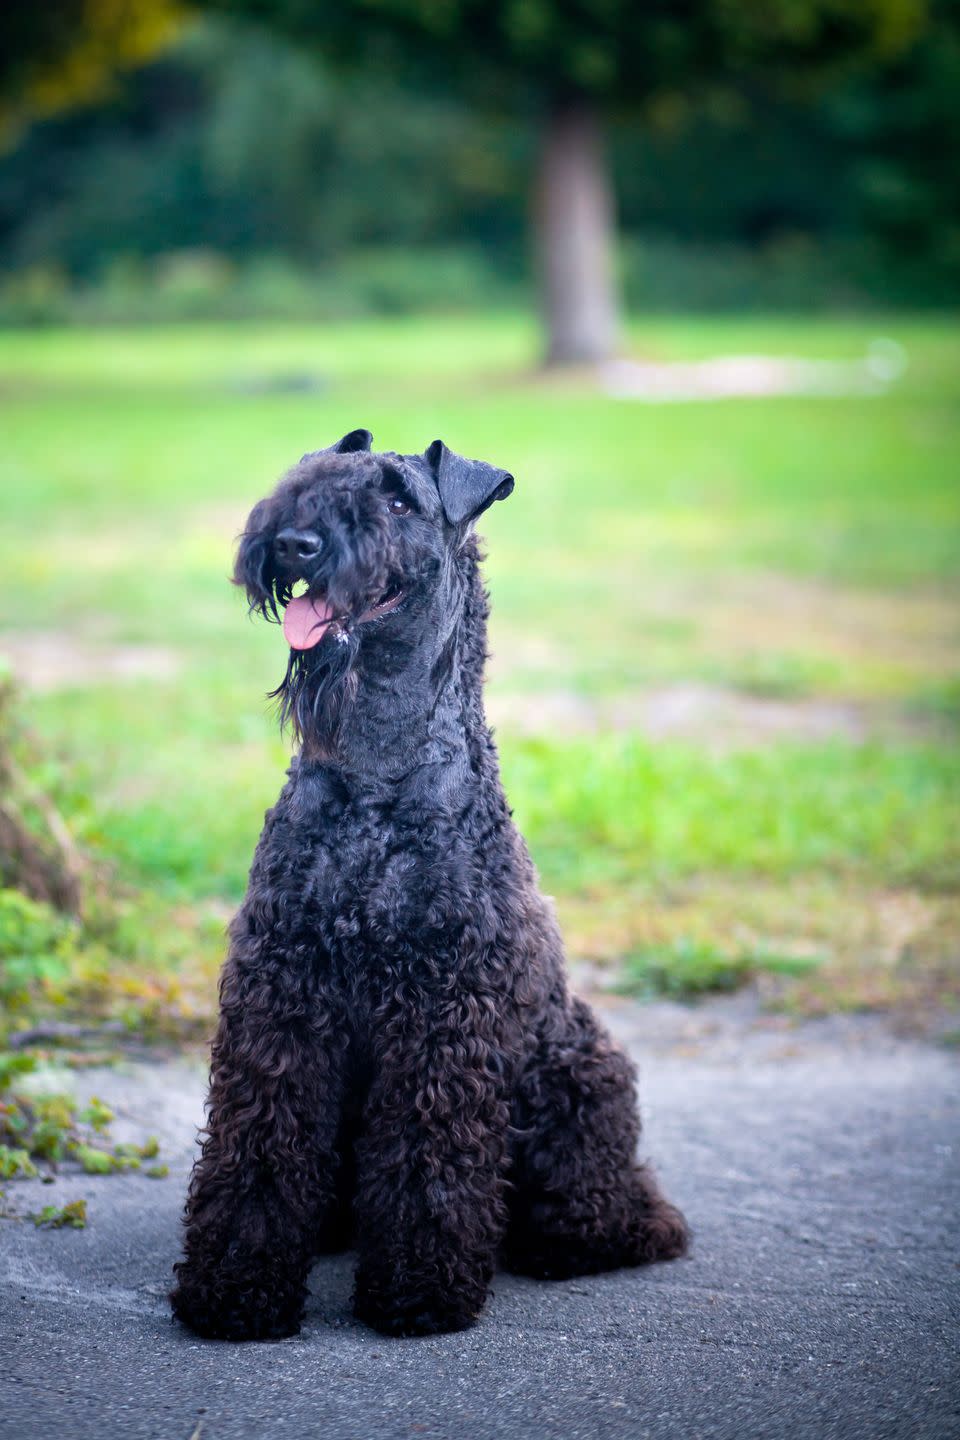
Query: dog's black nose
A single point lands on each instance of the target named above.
(292, 546)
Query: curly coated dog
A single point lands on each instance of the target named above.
(399, 1065)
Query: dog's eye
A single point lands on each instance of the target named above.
(397, 505)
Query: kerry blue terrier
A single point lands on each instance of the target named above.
(399, 1065)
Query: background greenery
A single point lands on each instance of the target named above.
(725, 648)
(236, 174)
(792, 561)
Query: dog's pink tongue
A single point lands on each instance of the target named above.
(305, 622)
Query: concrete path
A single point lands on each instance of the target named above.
(818, 1167)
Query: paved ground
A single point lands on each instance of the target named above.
(819, 1169)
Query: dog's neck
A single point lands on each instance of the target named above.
(425, 714)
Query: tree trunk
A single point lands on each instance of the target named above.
(574, 227)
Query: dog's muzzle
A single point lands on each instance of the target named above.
(295, 550)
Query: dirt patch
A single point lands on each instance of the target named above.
(777, 636)
(753, 613)
(724, 377)
(701, 713)
(882, 951)
(45, 660)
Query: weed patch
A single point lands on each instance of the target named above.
(689, 968)
(45, 1135)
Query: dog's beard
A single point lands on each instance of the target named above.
(317, 692)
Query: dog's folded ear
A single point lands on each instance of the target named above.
(467, 487)
(356, 440)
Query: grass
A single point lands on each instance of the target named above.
(795, 552)
(691, 967)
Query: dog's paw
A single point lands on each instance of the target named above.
(662, 1234)
(642, 1237)
(405, 1324)
(409, 1315)
(218, 1309)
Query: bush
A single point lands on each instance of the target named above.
(688, 968)
(791, 274)
(659, 275)
(36, 944)
(205, 285)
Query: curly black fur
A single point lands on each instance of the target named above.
(398, 1063)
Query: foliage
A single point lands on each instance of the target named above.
(72, 1216)
(42, 1134)
(239, 175)
(258, 151)
(615, 50)
(659, 276)
(64, 51)
(905, 123)
(35, 946)
(53, 963)
(37, 853)
(15, 1162)
(688, 968)
(120, 969)
(202, 285)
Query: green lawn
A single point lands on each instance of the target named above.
(783, 570)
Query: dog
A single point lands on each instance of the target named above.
(399, 1065)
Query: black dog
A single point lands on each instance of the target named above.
(398, 1063)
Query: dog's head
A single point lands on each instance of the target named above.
(362, 558)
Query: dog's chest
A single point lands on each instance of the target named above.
(379, 878)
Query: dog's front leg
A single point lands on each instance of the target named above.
(431, 1168)
(267, 1172)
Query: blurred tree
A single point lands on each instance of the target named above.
(58, 52)
(904, 124)
(573, 61)
(336, 190)
(235, 141)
